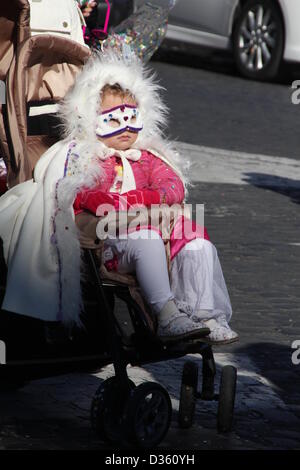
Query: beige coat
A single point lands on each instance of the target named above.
(19, 19)
(62, 18)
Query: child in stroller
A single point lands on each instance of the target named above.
(113, 155)
(140, 171)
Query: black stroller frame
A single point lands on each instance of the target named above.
(120, 411)
(114, 418)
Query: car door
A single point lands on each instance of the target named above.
(212, 16)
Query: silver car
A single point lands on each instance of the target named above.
(259, 32)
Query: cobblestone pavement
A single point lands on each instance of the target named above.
(255, 226)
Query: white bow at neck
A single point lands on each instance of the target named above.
(128, 182)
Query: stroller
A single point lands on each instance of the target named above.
(120, 411)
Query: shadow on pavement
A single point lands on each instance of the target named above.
(278, 184)
(274, 362)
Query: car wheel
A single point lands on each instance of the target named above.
(258, 39)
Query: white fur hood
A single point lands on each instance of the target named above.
(79, 109)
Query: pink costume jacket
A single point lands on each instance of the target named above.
(156, 183)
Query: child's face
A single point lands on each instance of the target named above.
(126, 139)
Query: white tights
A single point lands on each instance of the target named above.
(196, 274)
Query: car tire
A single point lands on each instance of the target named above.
(258, 39)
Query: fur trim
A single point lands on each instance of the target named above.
(80, 106)
(86, 171)
(68, 253)
(79, 109)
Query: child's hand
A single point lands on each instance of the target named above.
(136, 198)
(94, 201)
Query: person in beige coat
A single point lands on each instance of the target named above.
(63, 18)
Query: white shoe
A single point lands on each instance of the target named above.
(184, 307)
(220, 332)
(178, 327)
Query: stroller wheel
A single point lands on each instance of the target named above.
(226, 398)
(188, 394)
(147, 416)
(107, 410)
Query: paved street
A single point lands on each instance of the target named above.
(211, 105)
(242, 140)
